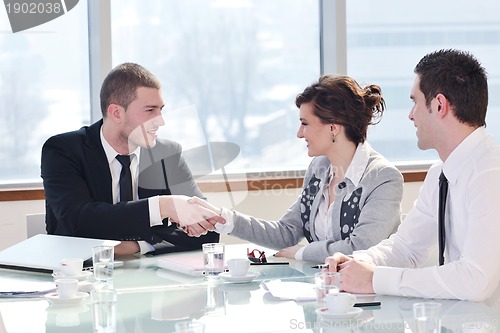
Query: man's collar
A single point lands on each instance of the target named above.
(457, 159)
(111, 152)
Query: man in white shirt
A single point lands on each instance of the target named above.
(450, 96)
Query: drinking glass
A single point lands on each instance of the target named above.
(102, 259)
(104, 310)
(213, 257)
(427, 317)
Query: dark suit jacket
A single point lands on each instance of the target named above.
(78, 193)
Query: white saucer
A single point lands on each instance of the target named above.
(83, 276)
(55, 299)
(239, 279)
(323, 313)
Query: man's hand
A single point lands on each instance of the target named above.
(127, 248)
(356, 276)
(193, 212)
(289, 252)
(206, 204)
(202, 228)
(337, 259)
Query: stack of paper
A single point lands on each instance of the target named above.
(291, 290)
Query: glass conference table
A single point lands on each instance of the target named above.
(153, 299)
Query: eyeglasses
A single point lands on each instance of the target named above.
(256, 256)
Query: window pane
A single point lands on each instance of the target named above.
(44, 89)
(387, 38)
(230, 70)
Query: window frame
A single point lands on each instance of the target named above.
(333, 59)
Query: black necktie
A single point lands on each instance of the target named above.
(443, 192)
(125, 178)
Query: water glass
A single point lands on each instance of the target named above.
(213, 257)
(102, 259)
(215, 301)
(104, 310)
(427, 317)
(326, 283)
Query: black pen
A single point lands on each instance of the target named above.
(366, 304)
(320, 266)
(14, 293)
(270, 263)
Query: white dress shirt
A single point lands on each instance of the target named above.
(115, 168)
(472, 269)
(323, 221)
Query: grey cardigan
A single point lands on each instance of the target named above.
(362, 215)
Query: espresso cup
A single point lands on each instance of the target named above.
(67, 288)
(72, 267)
(238, 267)
(340, 303)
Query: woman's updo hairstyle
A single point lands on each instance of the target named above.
(339, 99)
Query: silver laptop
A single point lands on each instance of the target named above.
(43, 253)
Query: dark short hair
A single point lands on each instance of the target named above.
(461, 78)
(120, 85)
(339, 99)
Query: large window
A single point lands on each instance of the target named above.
(44, 89)
(387, 38)
(231, 69)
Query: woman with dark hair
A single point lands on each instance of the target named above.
(351, 194)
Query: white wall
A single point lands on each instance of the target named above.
(269, 204)
(13, 220)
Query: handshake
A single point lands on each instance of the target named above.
(193, 215)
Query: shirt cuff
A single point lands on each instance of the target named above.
(227, 227)
(145, 247)
(387, 280)
(298, 254)
(154, 211)
(363, 256)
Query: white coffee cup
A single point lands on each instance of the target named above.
(67, 288)
(238, 267)
(340, 303)
(72, 267)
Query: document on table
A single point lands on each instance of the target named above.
(291, 290)
(303, 291)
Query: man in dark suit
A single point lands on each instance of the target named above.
(82, 172)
